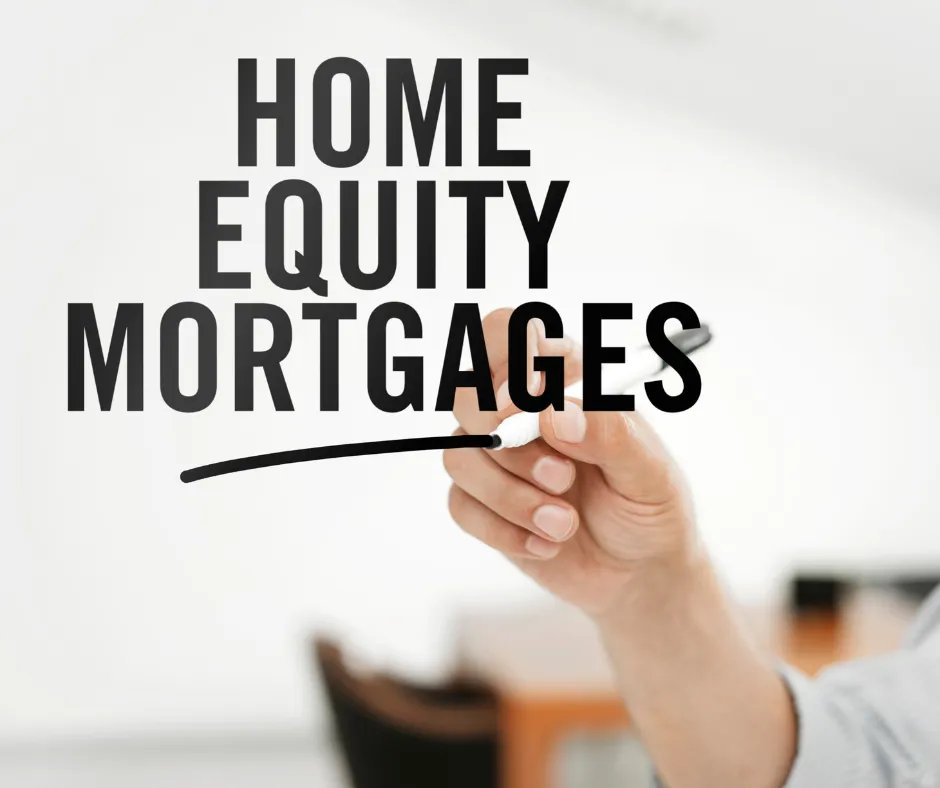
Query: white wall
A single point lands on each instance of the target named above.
(132, 603)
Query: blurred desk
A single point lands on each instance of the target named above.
(553, 678)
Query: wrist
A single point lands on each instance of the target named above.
(660, 591)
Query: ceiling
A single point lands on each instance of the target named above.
(853, 82)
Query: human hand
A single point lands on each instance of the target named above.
(585, 510)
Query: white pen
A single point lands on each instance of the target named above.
(640, 365)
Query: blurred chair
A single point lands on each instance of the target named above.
(818, 593)
(395, 734)
(826, 593)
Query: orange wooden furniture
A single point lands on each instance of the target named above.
(553, 679)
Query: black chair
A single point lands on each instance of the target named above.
(818, 593)
(400, 735)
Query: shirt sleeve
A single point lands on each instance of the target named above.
(871, 723)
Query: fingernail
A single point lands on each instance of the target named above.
(569, 424)
(553, 473)
(553, 521)
(502, 396)
(539, 328)
(541, 548)
(535, 377)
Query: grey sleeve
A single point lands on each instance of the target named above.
(872, 723)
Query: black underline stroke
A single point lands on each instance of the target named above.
(340, 450)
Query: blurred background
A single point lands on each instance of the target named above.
(774, 165)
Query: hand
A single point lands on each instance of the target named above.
(584, 510)
(598, 513)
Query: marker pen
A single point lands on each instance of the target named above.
(641, 365)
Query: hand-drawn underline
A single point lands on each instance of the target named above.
(340, 450)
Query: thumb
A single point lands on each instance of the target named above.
(622, 445)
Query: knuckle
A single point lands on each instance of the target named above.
(526, 505)
(502, 537)
(510, 496)
(511, 499)
(453, 461)
(456, 502)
